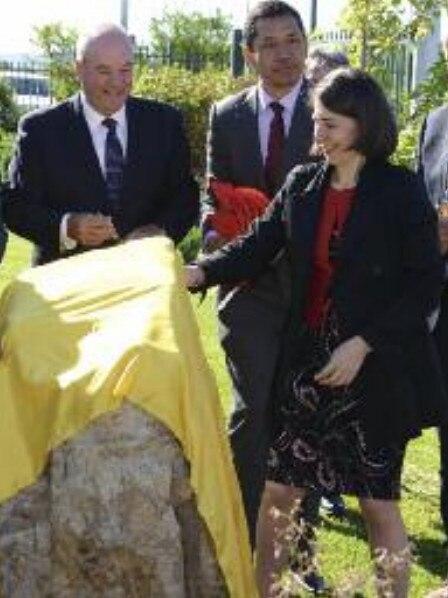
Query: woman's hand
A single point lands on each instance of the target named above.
(194, 276)
(344, 364)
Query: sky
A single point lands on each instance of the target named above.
(16, 25)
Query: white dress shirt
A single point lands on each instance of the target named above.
(265, 113)
(98, 133)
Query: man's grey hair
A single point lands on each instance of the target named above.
(330, 58)
(88, 38)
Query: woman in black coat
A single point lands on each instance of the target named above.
(358, 375)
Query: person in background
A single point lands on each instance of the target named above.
(432, 166)
(255, 138)
(359, 374)
(320, 62)
(101, 166)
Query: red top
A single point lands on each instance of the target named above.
(334, 211)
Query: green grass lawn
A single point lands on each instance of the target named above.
(342, 546)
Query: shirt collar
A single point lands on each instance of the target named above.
(288, 101)
(94, 119)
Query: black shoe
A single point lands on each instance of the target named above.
(311, 582)
(333, 505)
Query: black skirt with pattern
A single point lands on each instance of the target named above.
(320, 442)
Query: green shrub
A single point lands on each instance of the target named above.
(9, 111)
(429, 94)
(193, 94)
(190, 245)
(6, 149)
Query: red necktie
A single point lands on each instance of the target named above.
(276, 141)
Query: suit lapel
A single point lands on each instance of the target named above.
(305, 216)
(248, 137)
(298, 141)
(135, 137)
(357, 222)
(84, 150)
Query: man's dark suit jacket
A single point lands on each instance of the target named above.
(252, 317)
(233, 144)
(234, 156)
(433, 154)
(432, 165)
(433, 168)
(55, 170)
(387, 280)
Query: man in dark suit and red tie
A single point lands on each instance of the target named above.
(255, 137)
(102, 165)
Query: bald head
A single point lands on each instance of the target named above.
(105, 33)
(104, 60)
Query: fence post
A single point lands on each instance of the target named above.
(236, 54)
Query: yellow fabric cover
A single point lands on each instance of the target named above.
(81, 335)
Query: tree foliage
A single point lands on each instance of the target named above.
(180, 35)
(382, 26)
(57, 44)
(193, 94)
(9, 114)
(384, 35)
(9, 111)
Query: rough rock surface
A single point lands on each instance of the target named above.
(112, 516)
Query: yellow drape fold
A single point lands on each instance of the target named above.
(81, 335)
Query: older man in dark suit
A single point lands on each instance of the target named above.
(102, 165)
(433, 167)
(255, 138)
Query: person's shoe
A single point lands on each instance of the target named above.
(333, 505)
(311, 582)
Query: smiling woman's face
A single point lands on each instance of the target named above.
(335, 135)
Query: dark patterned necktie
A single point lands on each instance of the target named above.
(113, 163)
(276, 142)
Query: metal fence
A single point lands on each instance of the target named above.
(32, 84)
(394, 70)
(29, 81)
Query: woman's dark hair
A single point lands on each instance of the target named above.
(354, 93)
(269, 9)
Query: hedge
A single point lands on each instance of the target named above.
(193, 93)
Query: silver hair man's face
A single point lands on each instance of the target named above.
(104, 69)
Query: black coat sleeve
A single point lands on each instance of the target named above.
(421, 273)
(249, 255)
(218, 164)
(27, 211)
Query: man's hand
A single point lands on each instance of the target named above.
(90, 230)
(149, 230)
(194, 276)
(212, 241)
(443, 235)
(344, 364)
